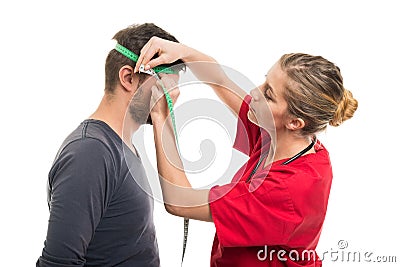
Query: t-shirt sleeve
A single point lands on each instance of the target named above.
(243, 218)
(247, 133)
(80, 189)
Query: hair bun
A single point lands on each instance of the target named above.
(345, 109)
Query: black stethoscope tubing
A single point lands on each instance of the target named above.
(301, 153)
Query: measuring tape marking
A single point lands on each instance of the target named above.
(160, 69)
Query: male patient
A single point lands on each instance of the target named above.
(99, 215)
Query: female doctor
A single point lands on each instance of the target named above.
(279, 198)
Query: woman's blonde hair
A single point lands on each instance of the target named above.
(315, 93)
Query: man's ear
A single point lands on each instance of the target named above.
(128, 79)
(295, 124)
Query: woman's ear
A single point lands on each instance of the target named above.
(127, 78)
(295, 124)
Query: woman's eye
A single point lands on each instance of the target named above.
(267, 96)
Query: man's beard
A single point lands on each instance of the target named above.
(139, 108)
(140, 116)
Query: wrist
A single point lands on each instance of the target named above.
(186, 53)
(158, 117)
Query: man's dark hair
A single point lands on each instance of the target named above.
(134, 38)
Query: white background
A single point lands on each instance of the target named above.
(52, 59)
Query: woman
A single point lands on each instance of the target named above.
(272, 212)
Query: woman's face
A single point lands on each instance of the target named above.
(268, 106)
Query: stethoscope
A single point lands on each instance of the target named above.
(298, 155)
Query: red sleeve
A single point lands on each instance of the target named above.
(265, 216)
(247, 133)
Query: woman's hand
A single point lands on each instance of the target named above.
(167, 51)
(179, 197)
(159, 107)
(204, 67)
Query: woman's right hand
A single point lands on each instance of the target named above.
(167, 52)
(204, 67)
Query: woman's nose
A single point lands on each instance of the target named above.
(255, 94)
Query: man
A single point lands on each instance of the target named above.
(99, 215)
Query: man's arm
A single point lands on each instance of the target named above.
(79, 187)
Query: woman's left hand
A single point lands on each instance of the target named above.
(159, 107)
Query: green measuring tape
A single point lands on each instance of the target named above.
(132, 56)
(161, 69)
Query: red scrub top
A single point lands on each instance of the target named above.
(276, 218)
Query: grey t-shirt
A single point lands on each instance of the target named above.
(99, 215)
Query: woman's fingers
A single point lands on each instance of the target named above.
(155, 62)
(170, 85)
(159, 104)
(167, 52)
(157, 100)
(146, 54)
(156, 93)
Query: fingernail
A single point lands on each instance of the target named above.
(147, 67)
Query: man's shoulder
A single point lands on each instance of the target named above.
(92, 134)
(90, 144)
